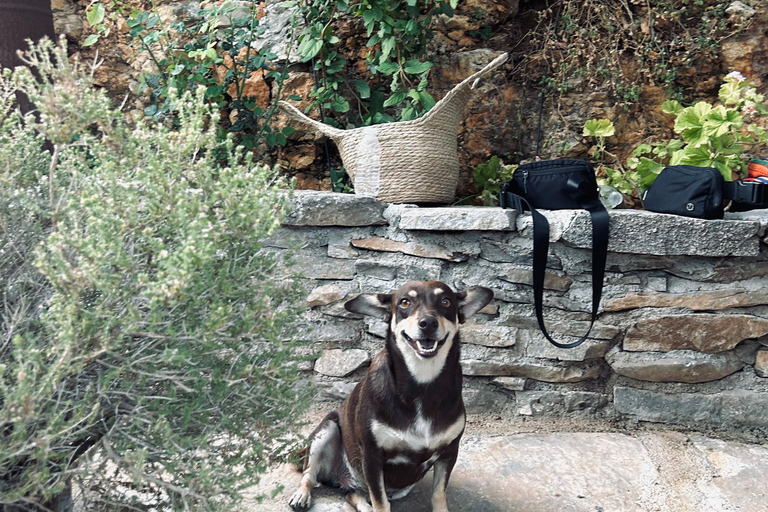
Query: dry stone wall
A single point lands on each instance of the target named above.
(682, 335)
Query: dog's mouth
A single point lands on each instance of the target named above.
(425, 347)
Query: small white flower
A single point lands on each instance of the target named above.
(735, 75)
(749, 108)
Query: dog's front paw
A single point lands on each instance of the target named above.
(301, 499)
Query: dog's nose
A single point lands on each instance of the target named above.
(428, 323)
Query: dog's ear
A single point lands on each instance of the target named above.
(473, 300)
(378, 305)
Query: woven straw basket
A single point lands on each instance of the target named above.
(407, 161)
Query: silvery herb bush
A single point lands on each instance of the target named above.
(143, 358)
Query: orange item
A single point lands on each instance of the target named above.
(757, 168)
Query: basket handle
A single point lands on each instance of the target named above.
(299, 116)
(336, 133)
(498, 61)
(470, 81)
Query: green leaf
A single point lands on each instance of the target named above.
(692, 117)
(152, 21)
(309, 48)
(91, 39)
(648, 170)
(698, 156)
(178, 68)
(690, 124)
(409, 113)
(642, 149)
(427, 100)
(362, 88)
(415, 67)
(676, 157)
(374, 40)
(674, 145)
(387, 45)
(395, 99)
(95, 14)
(388, 68)
(288, 131)
(721, 121)
(599, 128)
(340, 105)
(671, 107)
(150, 111)
(730, 93)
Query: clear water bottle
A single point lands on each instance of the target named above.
(610, 197)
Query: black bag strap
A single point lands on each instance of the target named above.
(752, 193)
(600, 221)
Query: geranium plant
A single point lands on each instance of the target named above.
(711, 134)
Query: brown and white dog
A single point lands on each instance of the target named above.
(407, 415)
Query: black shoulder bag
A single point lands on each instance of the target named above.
(559, 185)
(701, 192)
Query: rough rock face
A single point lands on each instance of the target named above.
(503, 114)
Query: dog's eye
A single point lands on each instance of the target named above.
(446, 303)
(404, 303)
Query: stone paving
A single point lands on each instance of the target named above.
(645, 471)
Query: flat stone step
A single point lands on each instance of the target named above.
(577, 472)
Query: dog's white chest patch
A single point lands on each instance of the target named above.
(419, 436)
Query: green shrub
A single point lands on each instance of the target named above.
(711, 135)
(142, 316)
(490, 177)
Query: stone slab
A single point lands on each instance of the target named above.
(675, 366)
(540, 347)
(734, 466)
(340, 363)
(570, 472)
(552, 280)
(324, 295)
(730, 408)
(538, 403)
(703, 332)
(761, 363)
(459, 218)
(422, 250)
(510, 383)
(541, 370)
(643, 232)
(717, 300)
(488, 335)
(312, 208)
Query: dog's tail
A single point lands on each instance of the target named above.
(300, 459)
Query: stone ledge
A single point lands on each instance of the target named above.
(632, 231)
(459, 218)
(642, 232)
(312, 208)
